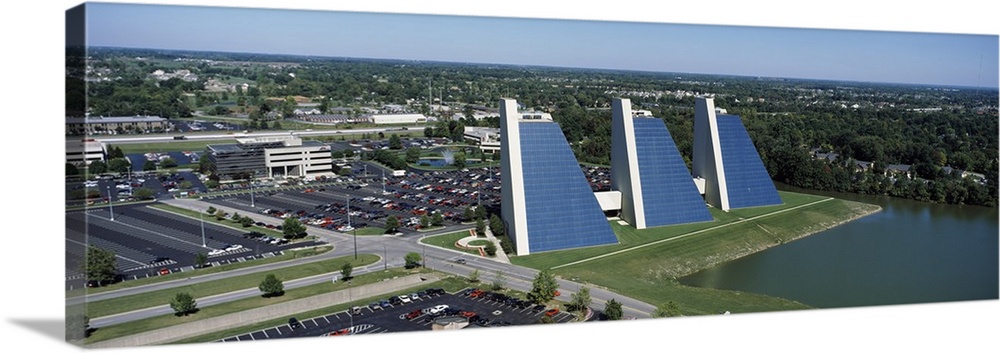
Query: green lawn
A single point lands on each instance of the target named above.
(138, 326)
(447, 241)
(287, 255)
(450, 284)
(149, 299)
(650, 260)
(370, 231)
(653, 258)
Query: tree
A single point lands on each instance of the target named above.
(271, 286)
(480, 227)
(670, 309)
(490, 249)
(459, 160)
(345, 271)
(412, 260)
(496, 226)
(499, 281)
(168, 163)
(183, 304)
(77, 327)
(437, 219)
(236, 217)
(395, 142)
(543, 288)
(100, 265)
(412, 155)
(115, 152)
(474, 276)
(247, 221)
(200, 260)
(580, 300)
(469, 214)
(613, 310)
(292, 228)
(143, 193)
(119, 165)
(97, 167)
(71, 169)
(424, 221)
(429, 132)
(148, 165)
(210, 210)
(480, 212)
(220, 215)
(391, 223)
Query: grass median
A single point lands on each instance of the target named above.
(225, 285)
(139, 326)
(285, 256)
(450, 284)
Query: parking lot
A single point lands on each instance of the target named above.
(151, 242)
(485, 310)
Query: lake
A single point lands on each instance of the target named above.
(910, 252)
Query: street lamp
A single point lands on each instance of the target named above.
(251, 193)
(202, 219)
(111, 208)
(385, 257)
(352, 227)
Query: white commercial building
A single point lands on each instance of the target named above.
(83, 152)
(397, 118)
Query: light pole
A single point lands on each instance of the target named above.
(385, 257)
(202, 219)
(251, 193)
(352, 227)
(111, 208)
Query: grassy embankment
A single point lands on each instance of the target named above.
(228, 285)
(646, 263)
(447, 241)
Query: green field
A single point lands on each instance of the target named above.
(287, 255)
(447, 241)
(646, 263)
(162, 297)
(449, 284)
(139, 326)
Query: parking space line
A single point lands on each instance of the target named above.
(327, 320)
(314, 322)
(265, 333)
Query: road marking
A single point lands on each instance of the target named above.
(265, 333)
(327, 320)
(682, 236)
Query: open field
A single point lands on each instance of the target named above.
(655, 258)
(145, 300)
(138, 326)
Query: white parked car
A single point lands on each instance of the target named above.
(405, 298)
(234, 247)
(216, 252)
(438, 309)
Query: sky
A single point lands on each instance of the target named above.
(34, 33)
(849, 55)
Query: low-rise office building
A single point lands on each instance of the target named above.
(114, 124)
(83, 152)
(270, 156)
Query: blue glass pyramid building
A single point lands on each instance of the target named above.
(656, 186)
(547, 202)
(725, 157)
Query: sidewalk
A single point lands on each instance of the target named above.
(500, 256)
(270, 312)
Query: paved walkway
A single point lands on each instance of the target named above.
(270, 312)
(500, 255)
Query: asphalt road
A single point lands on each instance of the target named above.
(392, 248)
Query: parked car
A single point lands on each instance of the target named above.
(438, 309)
(552, 312)
(164, 271)
(294, 323)
(405, 298)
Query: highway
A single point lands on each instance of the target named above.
(231, 135)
